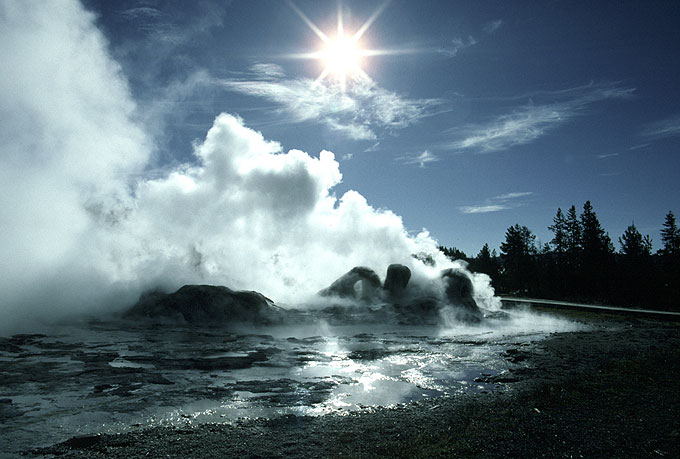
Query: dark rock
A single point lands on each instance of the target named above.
(403, 304)
(346, 286)
(396, 279)
(208, 304)
(83, 441)
(459, 289)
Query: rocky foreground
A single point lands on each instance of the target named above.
(611, 392)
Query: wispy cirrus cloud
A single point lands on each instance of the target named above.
(522, 126)
(456, 45)
(607, 155)
(420, 159)
(169, 24)
(492, 26)
(357, 112)
(669, 127)
(374, 147)
(268, 71)
(498, 203)
(526, 123)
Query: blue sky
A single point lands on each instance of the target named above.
(480, 116)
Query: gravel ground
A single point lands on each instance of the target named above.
(611, 392)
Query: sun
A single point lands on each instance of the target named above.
(343, 55)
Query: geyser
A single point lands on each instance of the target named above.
(94, 224)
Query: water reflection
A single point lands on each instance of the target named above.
(110, 377)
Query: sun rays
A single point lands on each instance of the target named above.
(342, 54)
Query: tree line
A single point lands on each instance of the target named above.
(581, 263)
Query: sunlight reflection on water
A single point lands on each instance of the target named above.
(110, 377)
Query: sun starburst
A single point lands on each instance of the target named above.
(343, 54)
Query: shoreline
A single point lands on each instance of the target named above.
(608, 392)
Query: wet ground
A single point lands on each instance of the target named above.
(113, 376)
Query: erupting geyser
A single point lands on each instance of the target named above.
(94, 223)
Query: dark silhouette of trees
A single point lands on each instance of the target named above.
(572, 266)
(670, 236)
(556, 263)
(517, 255)
(574, 234)
(559, 240)
(596, 256)
(670, 259)
(581, 264)
(636, 282)
(486, 262)
(594, 239)
(633, 245)
(453, 253)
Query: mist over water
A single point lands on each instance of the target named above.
(88, 222)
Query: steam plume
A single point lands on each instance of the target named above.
(86, 228)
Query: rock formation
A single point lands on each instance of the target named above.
(409, 305)
(208, 304)
(459, 289)
(359, 282)
(396, 280)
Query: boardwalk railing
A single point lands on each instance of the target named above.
(512, 302)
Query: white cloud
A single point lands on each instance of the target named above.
(523, 126)
(268, 71)
(357, 112)
(509, 196)
(420, 159)
(351, 130)
(669, 127)
(498, 203)
(527, 123)
(482, 209)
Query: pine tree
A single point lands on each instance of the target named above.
(670, 274)
(559, 229)
(574, 231)
(637, 281)
(485, 262)
(485, 253)
(518, 251)
(670, 236)
(597, 257)
(633, 245)
(595, 240)
(453, 253)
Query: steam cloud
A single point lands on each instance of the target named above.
(86, 226)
